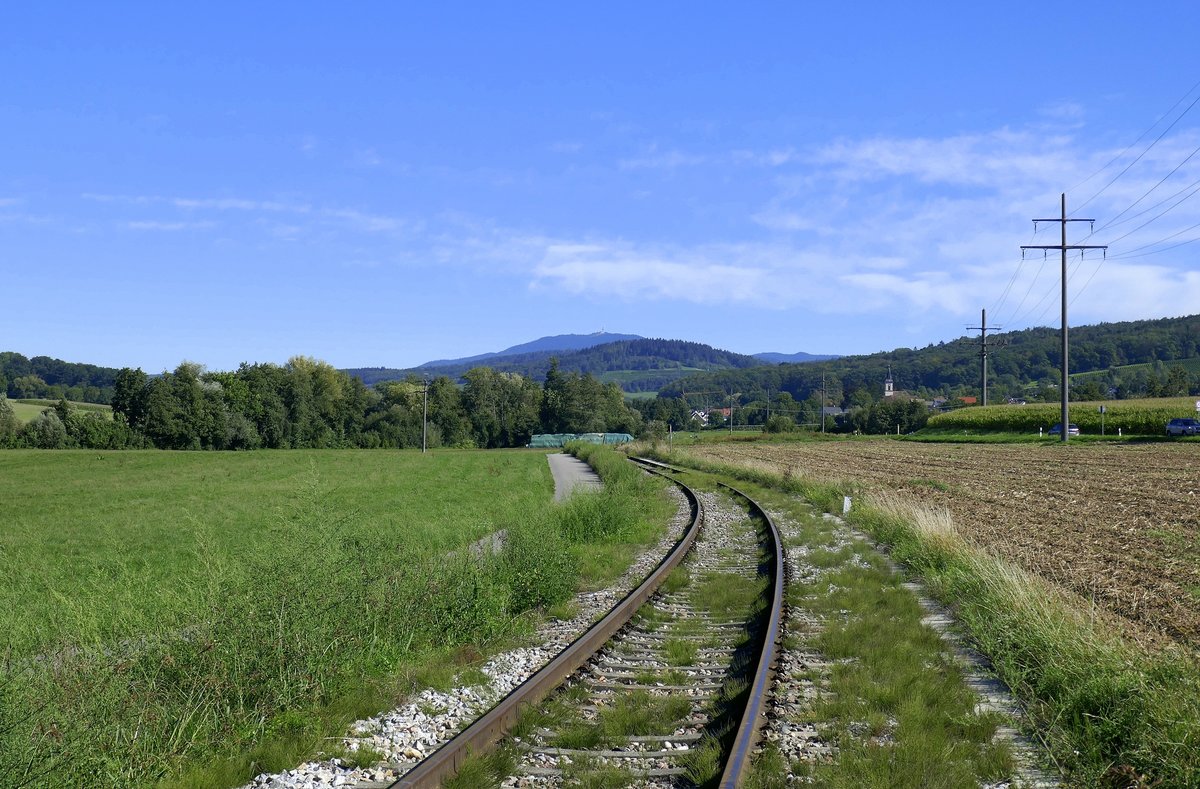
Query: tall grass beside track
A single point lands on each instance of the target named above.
(1109, 712)
(207, 654)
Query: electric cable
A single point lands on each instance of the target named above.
(1143, 153)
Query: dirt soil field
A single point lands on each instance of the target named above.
(1117, 524)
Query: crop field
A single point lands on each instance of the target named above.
(1119, 525)
(1145, 416)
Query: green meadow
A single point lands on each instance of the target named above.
(192, 618)
(100, 531)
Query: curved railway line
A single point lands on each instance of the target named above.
(669, 687)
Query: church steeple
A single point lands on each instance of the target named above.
(888, 386)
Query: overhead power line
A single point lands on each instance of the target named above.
(1157, 139)
(1116, 158)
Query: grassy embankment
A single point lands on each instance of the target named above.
(196, 618)
(1109, 712)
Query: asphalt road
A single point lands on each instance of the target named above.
(571, 474)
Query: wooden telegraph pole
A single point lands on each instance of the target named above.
(1066, 421)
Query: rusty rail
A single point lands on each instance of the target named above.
(753, 717)
(495, 723)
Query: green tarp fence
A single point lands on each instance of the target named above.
(544, 440)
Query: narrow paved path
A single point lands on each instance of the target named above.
(570, 474)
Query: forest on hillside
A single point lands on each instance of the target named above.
(636, 355)
(1022, 364)
(51, 379)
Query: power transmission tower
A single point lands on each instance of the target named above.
(1066, 422)
(983, 329)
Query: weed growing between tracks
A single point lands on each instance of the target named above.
(1110, 712)
(256, 657)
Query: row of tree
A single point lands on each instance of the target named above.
(51, 379)
(309, 404)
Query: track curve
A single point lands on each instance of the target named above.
(486, 731)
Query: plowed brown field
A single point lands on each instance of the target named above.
(1117, 524)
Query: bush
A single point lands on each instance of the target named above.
(537, 566)
(780, 424)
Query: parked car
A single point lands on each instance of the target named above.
(1072, 429)
(1183, 427)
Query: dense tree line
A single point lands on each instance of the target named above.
(45, 378)
(309, 404)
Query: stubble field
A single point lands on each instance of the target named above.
(1118, 525)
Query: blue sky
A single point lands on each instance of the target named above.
(385, 183)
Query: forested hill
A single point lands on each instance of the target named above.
(1128, 359)
(53, 379)
(636, 365)
(562, 343)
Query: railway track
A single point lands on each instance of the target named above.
(670, 687)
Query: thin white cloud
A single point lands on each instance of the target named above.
(367, 158)
(168, 226)
(371, 223)
(236, 204)
(665, 160)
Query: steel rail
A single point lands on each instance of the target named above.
(754, 715)
(481, 735)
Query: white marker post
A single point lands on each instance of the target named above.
(845, 505)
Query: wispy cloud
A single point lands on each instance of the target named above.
(663, 160)
(371, 223)
(353, 218)
(368, 158)
(168, 226)
(236, 204)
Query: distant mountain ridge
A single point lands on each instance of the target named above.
(637, 364)
(557, 342)
(800, 357)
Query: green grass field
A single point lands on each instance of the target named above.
(97, 531)
(26, 410)
(194, 618)
(1191, 365)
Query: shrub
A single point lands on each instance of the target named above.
(537, 566)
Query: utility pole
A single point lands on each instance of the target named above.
(424, 414)
(983, 329)
(822, 414)
(1066, 421)
(731, 413)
